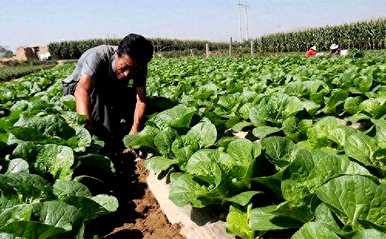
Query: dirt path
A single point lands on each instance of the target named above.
(139, 215)
(61, 62)
(152, 223)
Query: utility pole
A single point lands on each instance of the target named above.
(230, 47)
(243, 19)
(246, 22)
(240, 20)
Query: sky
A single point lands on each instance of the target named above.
(43, 21)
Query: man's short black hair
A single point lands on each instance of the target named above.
(137, 47)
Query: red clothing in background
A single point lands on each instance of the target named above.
(310, 53)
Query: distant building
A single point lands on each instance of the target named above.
(25, 53)
(32, 53)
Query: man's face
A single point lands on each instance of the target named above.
(124, 66)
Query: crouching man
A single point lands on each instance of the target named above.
(109, 85)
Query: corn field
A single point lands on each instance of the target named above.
(366, 35)
(74, 49)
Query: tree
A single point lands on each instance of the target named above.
(4, 52)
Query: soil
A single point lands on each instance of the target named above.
(139, 215)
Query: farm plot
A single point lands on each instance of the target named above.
(54, 183)
(280, 147)
(285, 147)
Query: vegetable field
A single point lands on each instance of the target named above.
(282, 147)
(285, 147)
(12, 72)
(44, 148)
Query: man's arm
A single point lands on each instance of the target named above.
(82, 98)
(140, 107)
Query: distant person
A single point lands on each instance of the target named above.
(335, 50)
(311, 52)
(100, 84)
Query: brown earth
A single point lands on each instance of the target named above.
(139, 214)
(13, 58)
(152, 223)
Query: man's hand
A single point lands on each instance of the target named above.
(133, 131)
(82, 96)
(139, 112)
(90, 126)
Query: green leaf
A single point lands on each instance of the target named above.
(164, 139)
(55, 159)
(26, 151)
(18, 165)
(376, 107)
(69, 102)
(237, 224)
(82, 139)
(381, 132)
(277, 148)
(310, 169)
(245, 110)
(296, 88)
(324, 215)
(264, 131)
(314, 230)
(64, 189)
(362, 148)
(93, 207)
(369, 234)
(275, 108)
(204, 165)
(244, 154)
(264, 219)
(227, 101)
(109, 203)
(243, 198)
(351, 104)
(44, 126)
(310, 106)
(272, 182)
(145, 138)
(355, 198)
(293, 106)
(8, 236)
(28, 134)
(337, 97)
(182, 155)
(320, 133)
(58, 214)
(241, 125)
(243, 150)
(179, 116)
(159, 163)
(185, 190)
(203, 133)
(74, 119)
(358, 117)
(12, 213)
(32, 230)
(53, 218)
(95, 162)
(340, 134)
(28, 186)
(302, 211)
